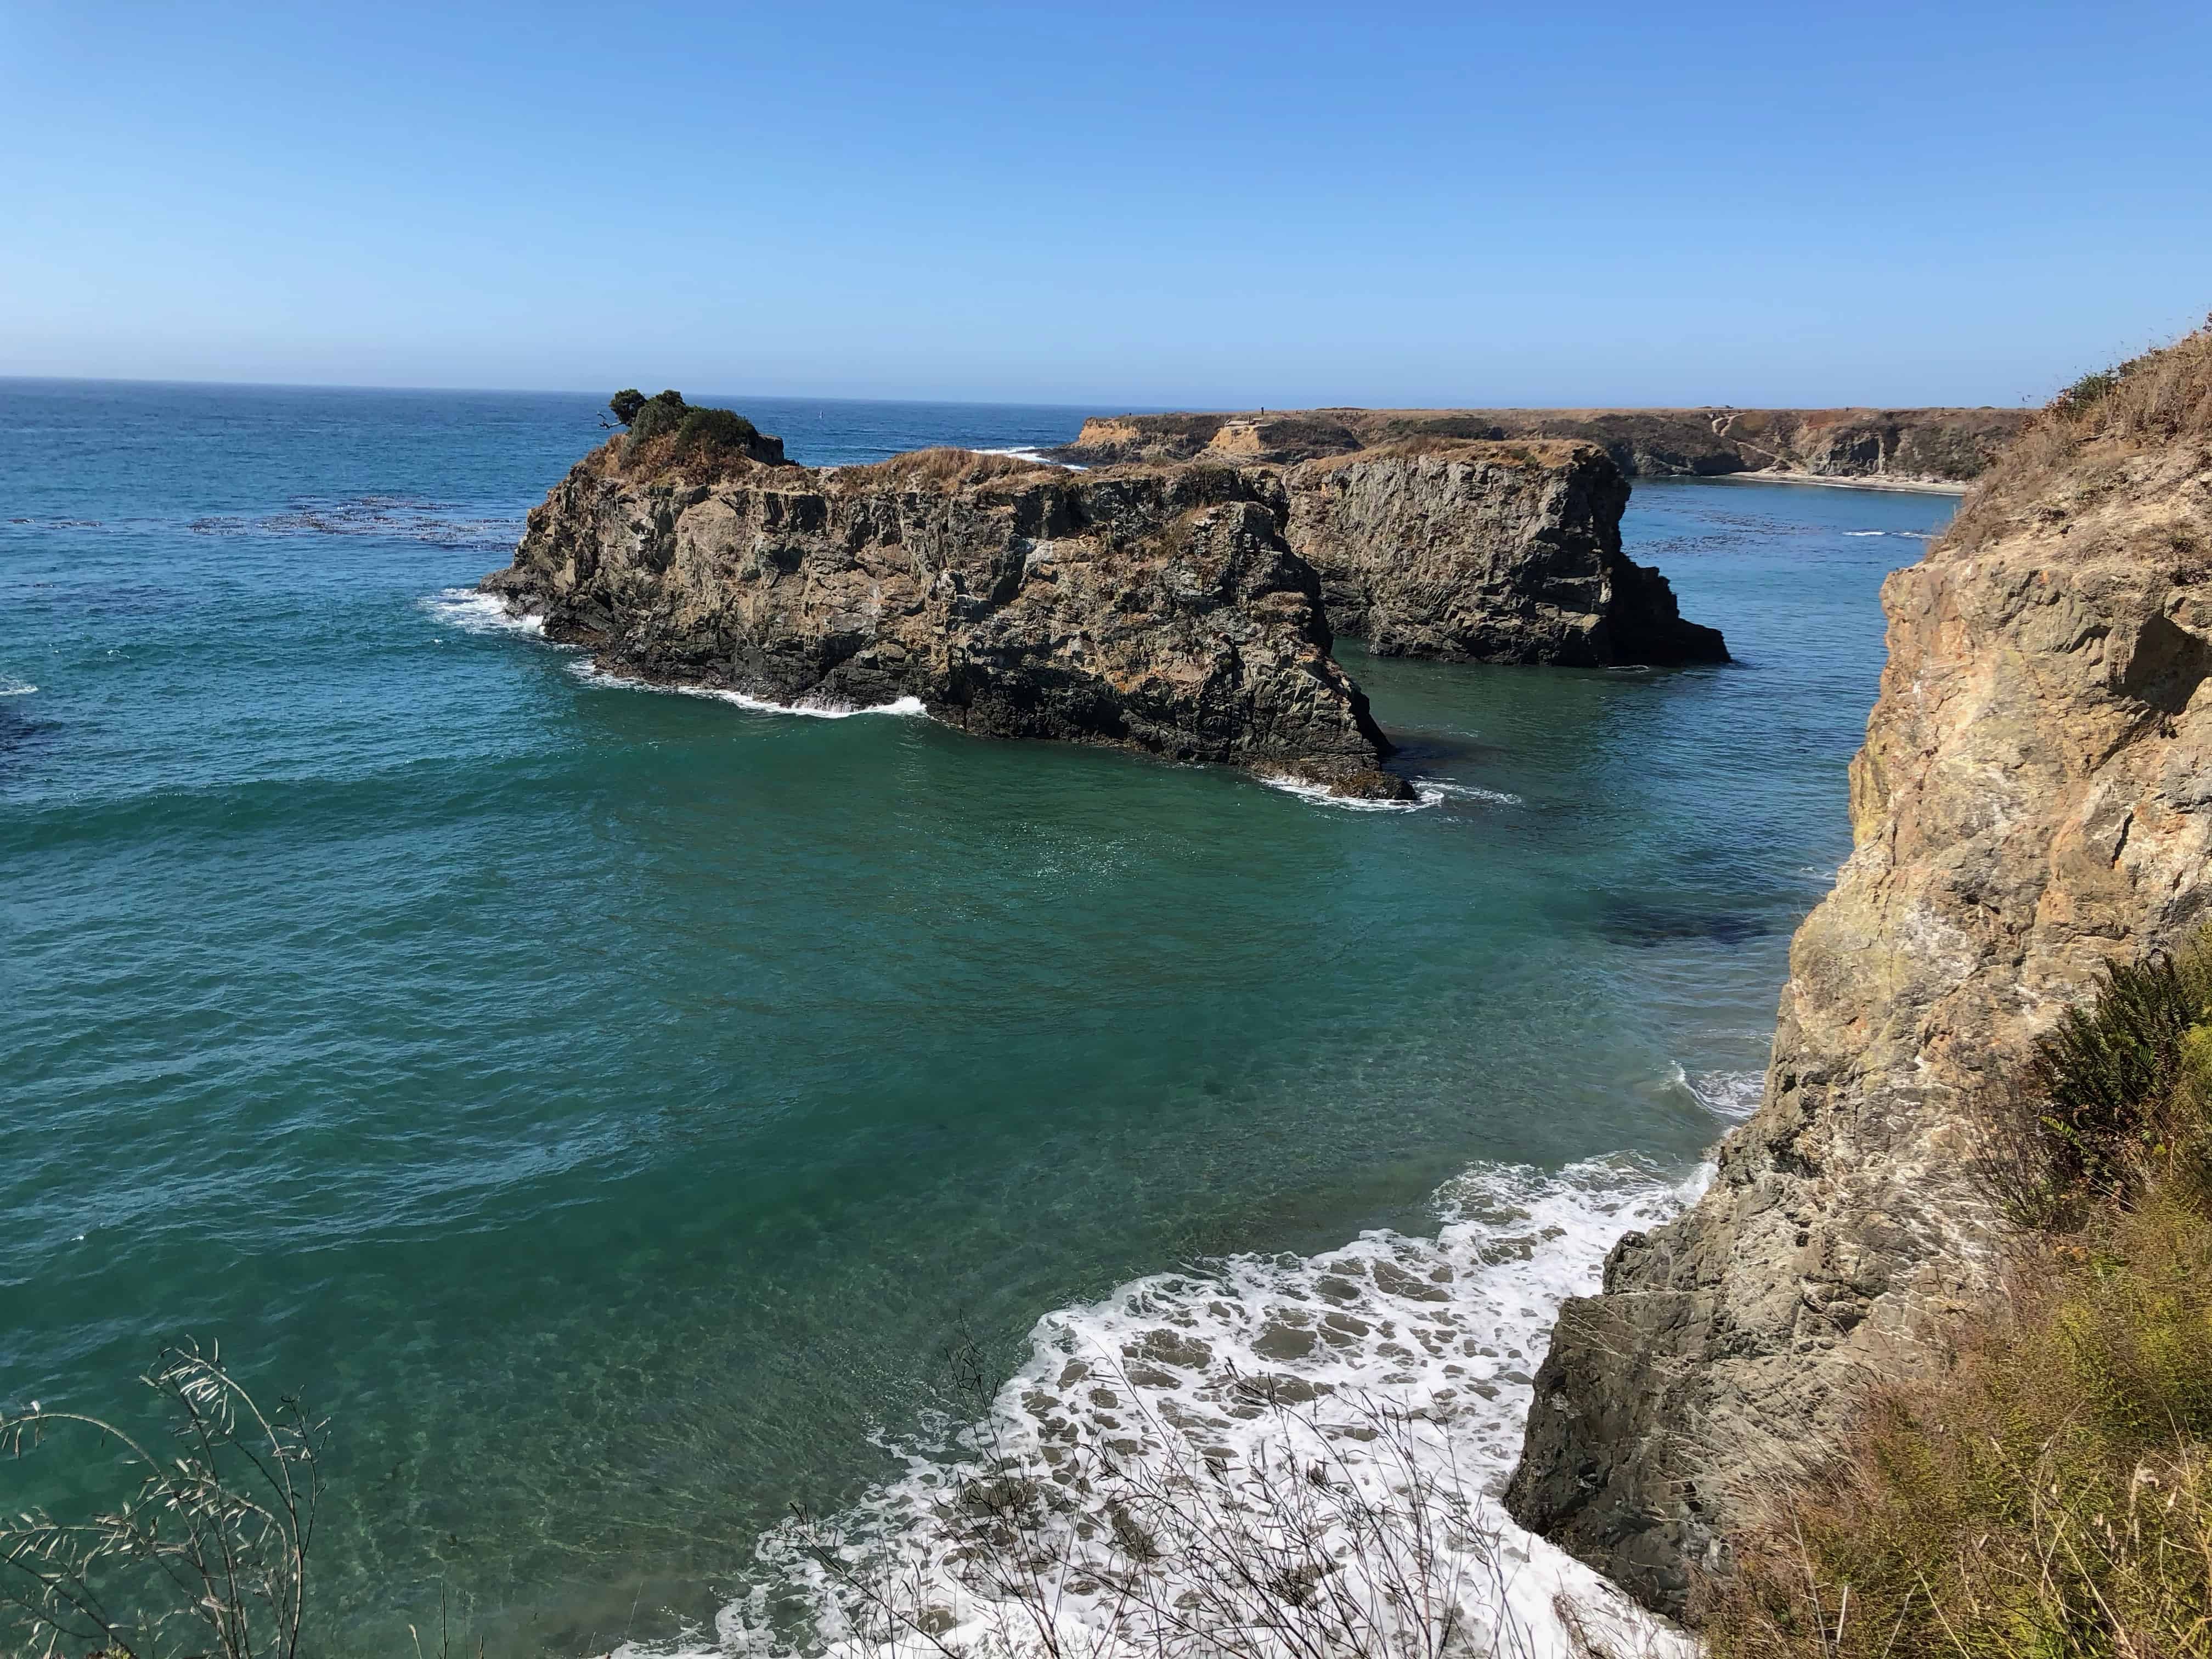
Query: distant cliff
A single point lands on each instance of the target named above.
(1911, 447)
(1484, 552)
(2034, 799)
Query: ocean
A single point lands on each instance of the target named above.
(630, 1115)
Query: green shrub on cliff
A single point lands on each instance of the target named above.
(2049, 1493)
(2109, 1101)
(657, 415)
(714, 430)
(665, 431)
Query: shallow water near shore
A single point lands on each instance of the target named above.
(610, 1105)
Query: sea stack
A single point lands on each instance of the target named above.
(1485, 552)
(1156, 609)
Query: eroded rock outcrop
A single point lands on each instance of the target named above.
(1912, 447)
(1156, 609)
(2034, 799)
(1485, 552)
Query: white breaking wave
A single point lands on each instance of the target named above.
(1733, 1096)
(1030, 453)
(821, 711)
(1471, 792)
(1161, 1437)
(15, 688)
(1320, 796)
(481, 613)
(1428, 791)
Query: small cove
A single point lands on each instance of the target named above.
(609, 1104)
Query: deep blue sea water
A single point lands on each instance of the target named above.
(607, 1105)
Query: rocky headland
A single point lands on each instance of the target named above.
(1903, 448)
(2033, 802)
(1483, 552)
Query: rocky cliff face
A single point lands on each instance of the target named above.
(1155, 609)
(1927, 446)
(2034, 798)
(1485, 552)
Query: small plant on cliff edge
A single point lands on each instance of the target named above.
(625, 404)
(207, 1556)
(2099, 1104)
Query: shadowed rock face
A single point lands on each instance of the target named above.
(2034, 798)
(1155, 609)
(1903, 446)
(1485, 552)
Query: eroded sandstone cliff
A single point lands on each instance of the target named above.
(1933, 446)
(2034, 798)
(1156, 609)
(1485, 552)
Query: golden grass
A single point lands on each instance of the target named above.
(2161, 397)
(2049, 1494)
(946, 470)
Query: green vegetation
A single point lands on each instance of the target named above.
(2050, 1494)
(2078, 443)
(666, 431)
(656, 415)
(2091, 388)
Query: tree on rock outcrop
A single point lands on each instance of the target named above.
(625, 404)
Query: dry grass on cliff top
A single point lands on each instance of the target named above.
(2049, 1493)
(2100, 420)
(944, 469)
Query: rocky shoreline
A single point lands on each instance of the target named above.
(2031, 805)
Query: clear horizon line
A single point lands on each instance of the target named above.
(1091, 405)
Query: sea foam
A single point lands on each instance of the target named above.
(1319, 794)
(1428, 791)
(1731, 1096)
(473, 612)
(1200, 1388)
(1031, 453)
(909, 706)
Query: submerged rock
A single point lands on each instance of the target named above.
(2034, 799)
(1156, 609)
(1485, 552)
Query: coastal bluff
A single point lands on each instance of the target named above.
(2033, 802)
(1902, 448)
(1157, 609)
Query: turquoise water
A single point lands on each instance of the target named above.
(608, 1104)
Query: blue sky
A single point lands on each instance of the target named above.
(1129, 204)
